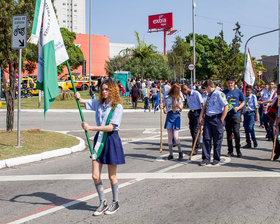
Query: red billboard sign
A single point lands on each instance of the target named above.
(161, 21)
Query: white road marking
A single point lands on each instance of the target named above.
(141, 176)
(71, 203)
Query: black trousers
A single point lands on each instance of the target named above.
(233, 126)
(194, 125)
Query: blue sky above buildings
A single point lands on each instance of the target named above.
(118, 19)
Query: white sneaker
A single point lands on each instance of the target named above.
(101, 208)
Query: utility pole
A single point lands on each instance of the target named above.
(193, 15)
(89, 63)
(279, 42)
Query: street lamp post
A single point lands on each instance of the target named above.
(193, 16)
(89, 63)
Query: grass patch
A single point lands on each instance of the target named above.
(34, 141)
(65, 101)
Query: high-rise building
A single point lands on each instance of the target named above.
(71, 14)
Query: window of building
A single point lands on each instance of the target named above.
(75, 10)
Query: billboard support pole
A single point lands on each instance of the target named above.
(164, 40)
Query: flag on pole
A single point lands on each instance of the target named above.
(157, 103)
(52, 50)
(249, 75)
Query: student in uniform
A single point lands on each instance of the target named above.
(195, 104)
(108, 117)
(172, 106)
(236, 98)
(251, 114)
(212, 116)
(267, 97)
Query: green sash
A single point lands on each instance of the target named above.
(102, 136)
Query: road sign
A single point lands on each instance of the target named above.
(191, 67)
(19, 32)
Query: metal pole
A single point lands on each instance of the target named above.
(193, 15)
(164, 41)
(279, 42)
(0, 85)
(89, 45)
(19, 99)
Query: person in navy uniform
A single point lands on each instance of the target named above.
(172, 106)
(107, 109)
(195, 104)
(251, 114)
(212, 116)
(236, 98)
(267, 97)
(276, 125)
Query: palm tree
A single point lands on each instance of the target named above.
(142, 51)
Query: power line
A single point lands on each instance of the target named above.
(232, 22)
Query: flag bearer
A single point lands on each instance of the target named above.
(213, 115)
(195, 104)
(251, 115)
(108, 117)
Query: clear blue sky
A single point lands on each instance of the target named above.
(118, 19)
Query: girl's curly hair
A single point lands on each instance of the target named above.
(114, 93)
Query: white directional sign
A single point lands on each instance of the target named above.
(19, 32)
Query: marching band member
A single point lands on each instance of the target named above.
(172, 106)
(250, 112)
(212, 116)
(108, 117)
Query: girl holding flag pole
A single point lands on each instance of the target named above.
(107, 144)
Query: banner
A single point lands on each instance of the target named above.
(52, 50)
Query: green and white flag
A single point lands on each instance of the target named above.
(52, 50)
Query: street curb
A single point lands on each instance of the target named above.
(42, 156)
(84, 111)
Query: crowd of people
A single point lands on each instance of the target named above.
(211, 109)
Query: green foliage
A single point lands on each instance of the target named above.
(155, 66)
(75, 54)
(8, 56)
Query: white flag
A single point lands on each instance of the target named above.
(249, 75)
(52, 50)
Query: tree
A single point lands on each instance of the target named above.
(9, 57)
(179, 56)
(142, 52)
(235, 60)
(75, 54)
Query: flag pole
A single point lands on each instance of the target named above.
(79, 106)
(161, 124)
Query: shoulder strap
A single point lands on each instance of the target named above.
(207, 100)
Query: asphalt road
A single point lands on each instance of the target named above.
(151, 188)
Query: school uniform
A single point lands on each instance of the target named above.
(267, 95)
(251, 105)
(233, 118)
(112, 152)
(173, 118)
(277, 147)
(213, 126)
(194, 101)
